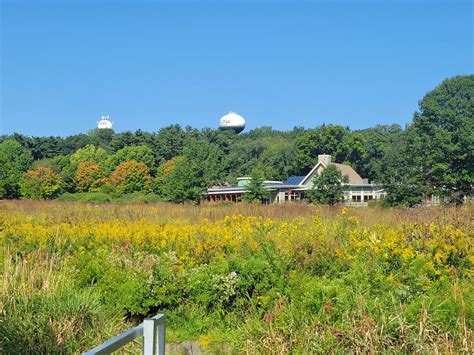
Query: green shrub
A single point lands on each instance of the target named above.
(92, 197)
(138, 197)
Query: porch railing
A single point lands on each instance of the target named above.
(153, 331)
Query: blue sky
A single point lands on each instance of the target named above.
(149, 64)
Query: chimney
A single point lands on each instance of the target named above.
(325, 158)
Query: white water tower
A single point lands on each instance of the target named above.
(105, 122)
(232, 122)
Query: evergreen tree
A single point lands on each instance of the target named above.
(255, 189)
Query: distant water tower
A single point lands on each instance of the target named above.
(105, 122)
(232, 122)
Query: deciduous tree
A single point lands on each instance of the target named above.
(89, 153)
(88, 177)
(14, 161)
(176, 181)
(131, 176)
(41, 183)
(440, 142)
(139, 153)
(327, 188)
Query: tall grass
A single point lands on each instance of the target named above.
(41, 312)
(59, 211)
(240, 278)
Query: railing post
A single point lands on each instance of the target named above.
(161, 335)
(149, 337)
(153, 331)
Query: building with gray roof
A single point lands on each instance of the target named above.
(357, 191)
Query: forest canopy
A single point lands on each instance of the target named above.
(432, 155)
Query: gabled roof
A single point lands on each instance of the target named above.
(354, 178)
(346, 170)
(294, 180)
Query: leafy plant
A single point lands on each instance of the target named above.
(255, 189)
(41, 183)
(131, 176)
(327, 187)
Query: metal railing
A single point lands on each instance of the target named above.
(153, 331)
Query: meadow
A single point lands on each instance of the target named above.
(238, 278)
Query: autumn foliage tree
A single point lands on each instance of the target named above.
(131, 176)
(88, 177)
(40, 183)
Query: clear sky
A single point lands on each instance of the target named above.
(149, 64)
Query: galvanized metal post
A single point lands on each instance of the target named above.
(153, 331)
(161, 335)
(149, 337)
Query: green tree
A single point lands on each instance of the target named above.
(327, 188)
(140, 153)
(40, 183)
(72, 143)
(122, 140)
(357, 154)
(255, 189)
(326, 139)
(176, 181)
(101, 138)
(14, 161)
(382, 145)
(170, 141)
(47, 163)
(403, 193)
(440, 142)
(89, 153)
(45, 147)
(207, 160)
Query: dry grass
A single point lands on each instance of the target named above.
(56, 212)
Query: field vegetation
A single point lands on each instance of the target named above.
(238, 278)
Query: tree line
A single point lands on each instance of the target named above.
(433, 155)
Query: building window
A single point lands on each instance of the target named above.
(292, 196)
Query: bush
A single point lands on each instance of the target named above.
(41, 183)
(92, 197)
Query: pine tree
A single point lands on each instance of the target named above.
(255, 190)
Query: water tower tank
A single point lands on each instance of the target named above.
(104, 123)
(232, 122)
